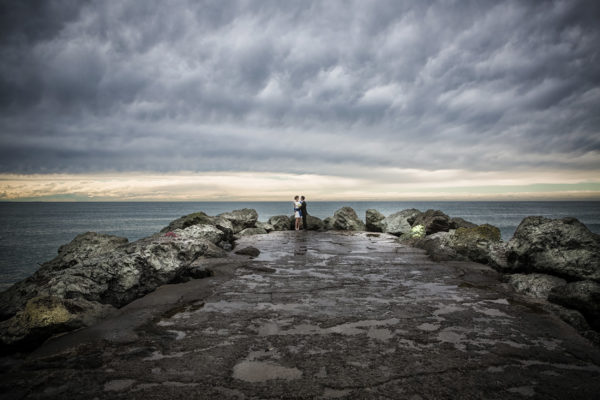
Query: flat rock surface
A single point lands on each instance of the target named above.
(319, 315)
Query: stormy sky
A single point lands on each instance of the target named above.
(378, 91)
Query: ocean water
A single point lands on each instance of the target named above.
(30, 233)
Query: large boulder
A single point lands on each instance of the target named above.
(241, 219)
(478, 243)
(563, 247)
(252, 231)
(189, 220)
(434, 221)
(280, 222)
(439, 247)
(265, 225)
(534, 285)
(374, 220)
(44, 316)
(90, 279)
(401, 222)
(345, 219)
(583, 296)
(312, 223)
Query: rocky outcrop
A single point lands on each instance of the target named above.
(434, 221)
(534, 285)
(312, 223)
(280, 222)
(95, 273)
(401, 223)
(374, 220)
(265, 225)
(562, 247)
(480, 244)
(345, 219)
(583, 296)
(241, 219)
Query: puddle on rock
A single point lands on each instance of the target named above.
(428, 327)
(380, 334)
(261, 371)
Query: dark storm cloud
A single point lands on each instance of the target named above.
(298, 86)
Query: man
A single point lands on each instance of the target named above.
(304, 213)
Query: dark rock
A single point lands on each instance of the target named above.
(562, 247)
(583, 296)
(374, 220)
(189, 220)
(534, 285)
(241, 219)
(576, 320)
(248, 251)
(434, 221)
(345, 219)
(400, 223)
(280, 222)
(44, 316)
(312, 223)
(458, 222)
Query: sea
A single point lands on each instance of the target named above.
(31, 232)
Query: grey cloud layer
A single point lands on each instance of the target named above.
(298, 86)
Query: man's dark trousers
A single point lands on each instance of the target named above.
(304, 214)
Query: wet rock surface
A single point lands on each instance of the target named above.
(319, 315)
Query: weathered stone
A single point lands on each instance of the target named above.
(248, 251)
(265, 225)
(189, 220)
(583, 296)
(241, 219)
(475, 243)
(438, 247)
(416, 232)
(252, 231)
(345, 219)
(562, 247)
(44, 316)
(458, 222)
(280, 222)
(313, 223)
(374, 220)
(434, 221)
(401, 222)
(534, 285)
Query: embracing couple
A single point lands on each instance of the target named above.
(300, 212)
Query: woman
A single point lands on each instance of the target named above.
(297, 212)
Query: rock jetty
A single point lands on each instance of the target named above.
(554, 261)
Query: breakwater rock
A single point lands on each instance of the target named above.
(96, 274)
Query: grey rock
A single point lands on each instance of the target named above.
(114, 274)
(248, 251)
(252, 231)
(434, 221)
(374, 220)
(345, 219)
(563, 247)
(241, 219)
(265, 225)
(576, 320)
(583, 296)
(534, 285)
(477, 243)
(438, 247)
(401, 222)
(458, 222)
(280, 222)
(189, 220)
